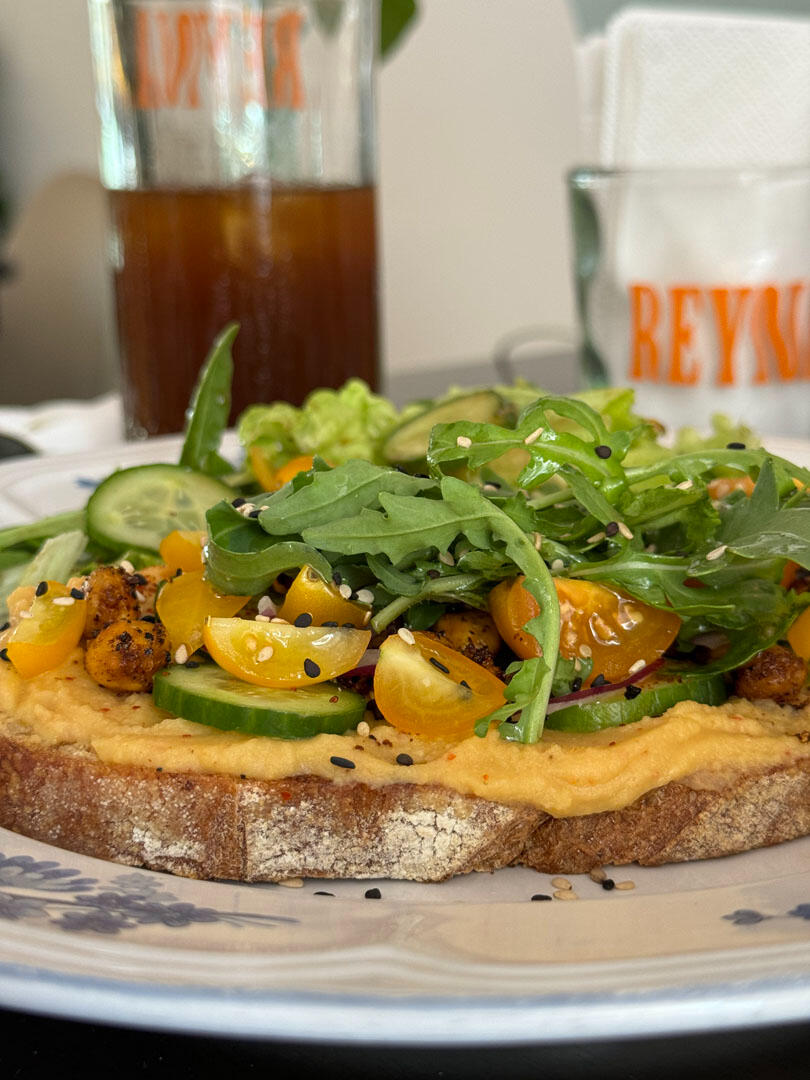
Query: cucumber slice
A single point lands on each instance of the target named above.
(658, 693)
(408, 443)
(137, 507)
(209, 695)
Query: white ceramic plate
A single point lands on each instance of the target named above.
(690, 948)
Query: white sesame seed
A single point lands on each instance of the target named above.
(406, 635)
(625, 531)
(446, 558)
(127, 566)
(557, 565)
(246, 508)
(264, 654)
(365, 596)
(565, 894)
(538, 541)
(367, 618)
(577, 664)
(266, 606)
(462, 440)
(717, 553)
(181, 655)
(139, 596)
(25, 614)
(491, 487)
(535, 435)
(262, 618)
(64, 601)
(363, 730)
(292, 883)
(251, 643)
(278, 619)
(684, 485)
(625, 885)
(585, 651)
(598, 875)
(596, 538)
(636, 667)
(561, 883)
(345, 591)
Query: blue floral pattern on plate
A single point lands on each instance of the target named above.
(77, 903)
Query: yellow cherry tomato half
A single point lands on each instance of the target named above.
(282, 655)
(185, 602)
(310, 594)
(799, 635)
(51, 632)
(183, 550)
(615, 630)
(431, 690)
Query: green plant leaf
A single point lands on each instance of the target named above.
(210, 407)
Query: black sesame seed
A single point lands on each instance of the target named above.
(631, 692)
(304, 619)
(735, 446)
(603, 451)
(4, 655)
(41, 589)
(255, 513)
(608, 884)
(238, 502)
(784, 643)
(349, 626)
(5, 626)
(611, 528)
(576, 684)
(465, 684)
(322, 892)
(192, 664)
(600, 680)
(337, 577)
(440, 666)
(512, 719)
(178, 572)
(159, 768)
(372, 894)
(404, 759)
(342, 762)
(148, 618)
(540, 896)
(242, 776)
(312, 669)
(330, 622)
(77, 594)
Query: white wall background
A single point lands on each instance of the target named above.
(476, 120)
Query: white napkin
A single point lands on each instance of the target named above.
(61, 427)
(696, 89)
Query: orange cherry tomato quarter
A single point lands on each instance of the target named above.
(614, 630)
(281, 655)
(51, 632)
(429, 689)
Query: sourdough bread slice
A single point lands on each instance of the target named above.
(204, 826)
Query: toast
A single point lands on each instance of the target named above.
(219, 826)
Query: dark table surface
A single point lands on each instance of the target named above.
(33, 1046)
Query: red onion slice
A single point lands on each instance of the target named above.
(595, 691)
(366, 664)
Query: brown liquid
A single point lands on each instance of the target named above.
(296, 267)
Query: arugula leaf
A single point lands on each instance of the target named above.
(338, 493)
(210, 407)
(42, 529)
(243, 560)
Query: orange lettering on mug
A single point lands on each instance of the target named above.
(729, 307)
(769, 342)
(146, 92)
(795, 289)
(288, 90)
(682, 334)
(645, 308)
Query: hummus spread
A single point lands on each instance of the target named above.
(565, 774)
